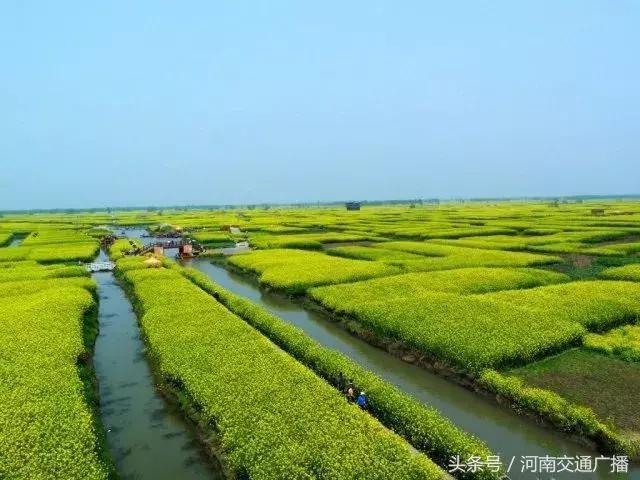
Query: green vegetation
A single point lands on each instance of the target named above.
(608, 386)
(14, 254)
(588, 267)
(623, 343)
(598, 305)
(459, 232)
(451, 284)
(626, 272)
(620, 249)
(275, 418)
(469, 332)
(73, 252)
(422, 426)
(121, 246)
(213, 238)
(33, 271)
(284, 241)
(48, 237)
(413, 285)
(307, 241)
(377, 254)
(5, 239)
(476, 331)
(444, 257)
(46, 426)
(97, 232)
(84, 252)
(27, 287)
(553, 408)
(295, 271)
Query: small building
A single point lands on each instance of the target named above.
(353, 205)
(597, 211)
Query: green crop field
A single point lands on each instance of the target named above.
(626, 272)
(536, 306)
(46, 425)
(622, 342)
(609, 386)
(320, 240)
(314, 433)
(295, 271)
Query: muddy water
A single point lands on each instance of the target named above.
(147, 438)
(506, 433)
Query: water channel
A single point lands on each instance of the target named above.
(507, 434)
(147, 437)
(15, 241)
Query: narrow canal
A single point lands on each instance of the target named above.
(147, 437)
(15, 241)
(506, 433)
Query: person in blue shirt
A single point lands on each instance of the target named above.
(362, 401)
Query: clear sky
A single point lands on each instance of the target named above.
(126, 102)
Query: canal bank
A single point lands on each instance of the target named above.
(147, 436)
(507, 434)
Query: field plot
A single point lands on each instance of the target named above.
(598, 305)
(413, 285)
(536, 304)
(308, 241)
(378, 254)
(609, 386)
(423, 426)
(623, 343)
(484, 330)
(470, 332)
(295, 271)
(48, 422)
(213, 238)
(444, 257)
(53, 246)
(552, 242)
(626, 272)
(31, 270)
(240, 381)
(47, 427)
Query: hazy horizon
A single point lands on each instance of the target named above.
(338, 203)
(224, 104)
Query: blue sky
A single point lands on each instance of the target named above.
(159, 102)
